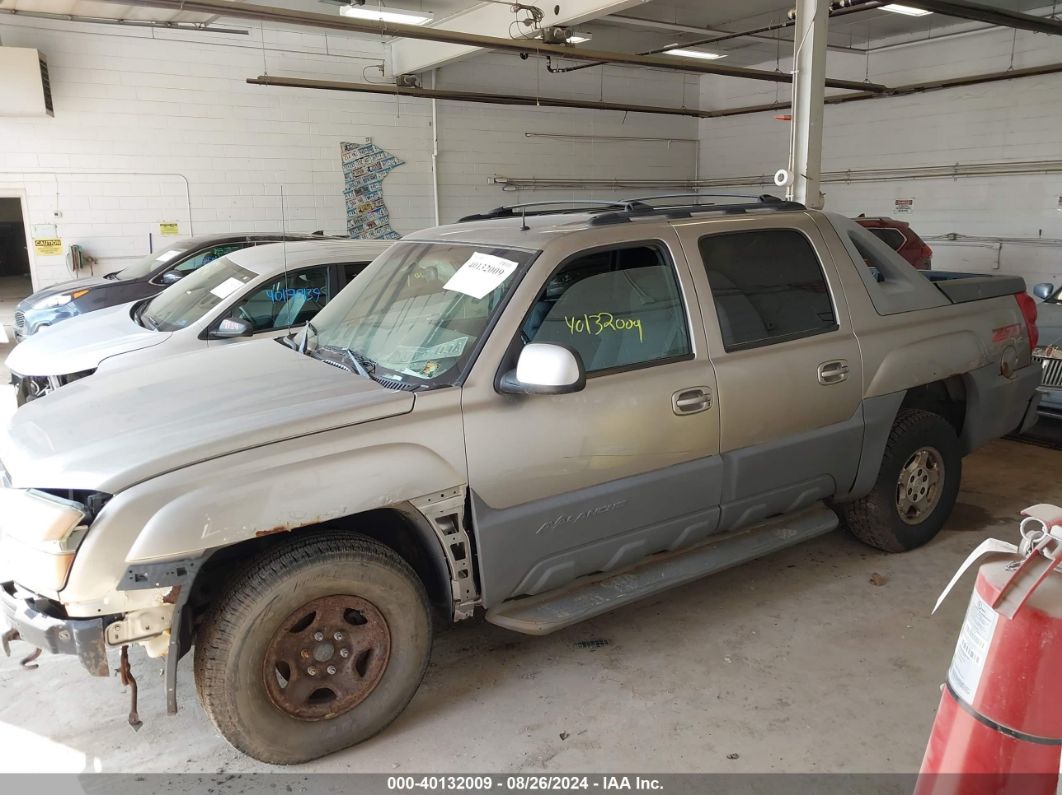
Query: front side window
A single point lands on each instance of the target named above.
(616, 308)
(187, 301)
(768, 287)
(415, 316)
(289, 300)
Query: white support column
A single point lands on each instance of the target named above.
(809, 83)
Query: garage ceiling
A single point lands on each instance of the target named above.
(101, 10)
(628, 30)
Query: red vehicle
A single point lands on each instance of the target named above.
(901, 238)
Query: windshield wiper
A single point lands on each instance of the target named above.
(357, 363)
(306, 336)
(362, 365)
(141, 316)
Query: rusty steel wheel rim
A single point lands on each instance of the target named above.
(327, 657)
(920, 484)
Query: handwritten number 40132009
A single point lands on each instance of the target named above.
(599, 322)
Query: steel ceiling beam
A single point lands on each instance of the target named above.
(899, 91)
(226, 8)
(389, 89)
(990, 14)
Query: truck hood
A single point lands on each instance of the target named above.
(81, 343)
(63, 287)
(113, 430)
(1049, 323)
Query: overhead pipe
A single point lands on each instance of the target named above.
(953, 171)
(899, 91)
(759, 33)
(390, 89)
(227, 8)
(195, 27)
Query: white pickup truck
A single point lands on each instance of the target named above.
(539, 415)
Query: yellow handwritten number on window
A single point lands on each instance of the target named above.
(599, 322)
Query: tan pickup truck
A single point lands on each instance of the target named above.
(540, 413)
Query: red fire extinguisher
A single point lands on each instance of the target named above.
(999, 724)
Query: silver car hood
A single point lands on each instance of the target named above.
(81, 343)
(116, 429)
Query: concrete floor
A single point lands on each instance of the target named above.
(821, 658)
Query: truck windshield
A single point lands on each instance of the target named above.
(185, 302)
(414, 316)
(142, 267)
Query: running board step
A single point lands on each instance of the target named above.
(591, 596)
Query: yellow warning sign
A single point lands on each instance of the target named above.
(169, 229)
(48, 246)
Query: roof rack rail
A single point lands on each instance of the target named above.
(511, 211)
(623, 210)
(639, 207)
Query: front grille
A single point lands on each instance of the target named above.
(1052, 369)
(20, 320)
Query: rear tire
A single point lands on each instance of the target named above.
(316, 646)
(916, 486)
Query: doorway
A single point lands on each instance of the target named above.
(15, 282)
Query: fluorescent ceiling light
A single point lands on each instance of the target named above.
(910, 11)
(385, 14)
(702, 54)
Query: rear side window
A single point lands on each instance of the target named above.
(616, 308)
(209, 255)
(893, 238)
(768, 287)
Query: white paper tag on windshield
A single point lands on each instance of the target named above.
(227, 287)
(480, 274)
(167, 256)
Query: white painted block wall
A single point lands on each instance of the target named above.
(160, 126)
(1019, 120)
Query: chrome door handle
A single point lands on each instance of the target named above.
(691, 400)
(833, 372)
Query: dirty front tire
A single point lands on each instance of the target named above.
(904, 511)
(300, 606)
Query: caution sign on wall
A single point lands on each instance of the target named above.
(169, 229)
(48, 246)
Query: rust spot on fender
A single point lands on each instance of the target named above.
(280, 528)
(171, 596)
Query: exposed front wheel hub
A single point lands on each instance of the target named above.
(327, 657)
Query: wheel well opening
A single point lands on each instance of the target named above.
(946, 398)
(388, 526)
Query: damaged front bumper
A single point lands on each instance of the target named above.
(84, 637)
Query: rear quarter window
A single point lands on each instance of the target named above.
(893, 238)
